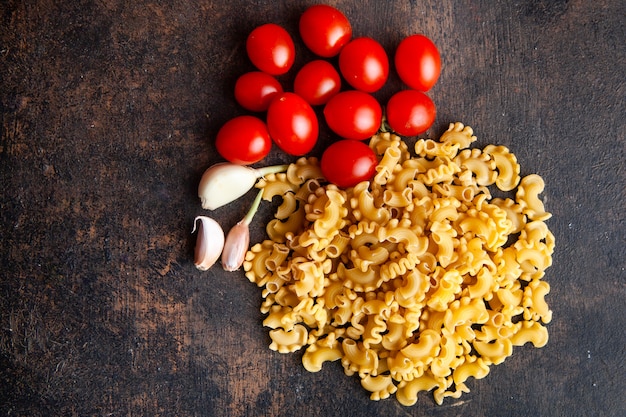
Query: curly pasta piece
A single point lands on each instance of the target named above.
(288, 341)
(530, 332)
(407, 391)
(481, 165)
(381, 386)
(304, 169)
(275, 185)
(278, 229)
(315, 356)
(387, 165)
(396, 232)
(506, 163)
(359, 359)
(528, 197)
(364, 207)
(459, 134)
(477, 370)
(443, 172)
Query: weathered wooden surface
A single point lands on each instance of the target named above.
(107, 112)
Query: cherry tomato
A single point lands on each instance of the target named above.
(364, 64)
(346, 163)
(418, 62)
(353, 114)
(243, 140)
(292, 124)
(317, 81)
(324, 30)
(254, 90)
(410, 112)
(271, 49)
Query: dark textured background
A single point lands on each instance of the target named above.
(107, 114)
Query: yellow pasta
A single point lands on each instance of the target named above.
(480, 164)
(358, 359)
(417, 280)
(278, 229)
(396, 232)
(426, 348)
(400, 198)
(276, 256)
(528, 197)
(443, 235)
(338, 245)
(275, 185)
(443, 171)
(430, 148)
(477, 369)
(380, 386)
(302, 170)
(288, 206)
(532, 332)
(506, 163)
(407, 391)
(363, 205)
(459, 134)
(387, 165)
(285, 341)
(315, 356)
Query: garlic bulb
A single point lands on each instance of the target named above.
(224, 182)
(238, 239)
(209, 243)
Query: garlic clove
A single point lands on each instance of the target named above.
(238, 238)
(224, 182)
(209, 243)
(236, 246)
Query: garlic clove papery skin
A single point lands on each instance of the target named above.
(209, 243)
(236, 246)
(223, 183)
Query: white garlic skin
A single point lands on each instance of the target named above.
(223, 183)
(209, 243)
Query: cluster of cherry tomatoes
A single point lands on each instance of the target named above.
(353, 114)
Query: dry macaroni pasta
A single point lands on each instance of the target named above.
(415, 281)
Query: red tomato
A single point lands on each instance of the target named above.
(317, 81)
(271, 49)
(364, 64)
(418, 62)
(346, 163)
(324, 30)
(243, 140)
(292, 124)
(410, 112)
(353, 114)
(254, 90)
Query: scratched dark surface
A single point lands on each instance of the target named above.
(108, 110)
